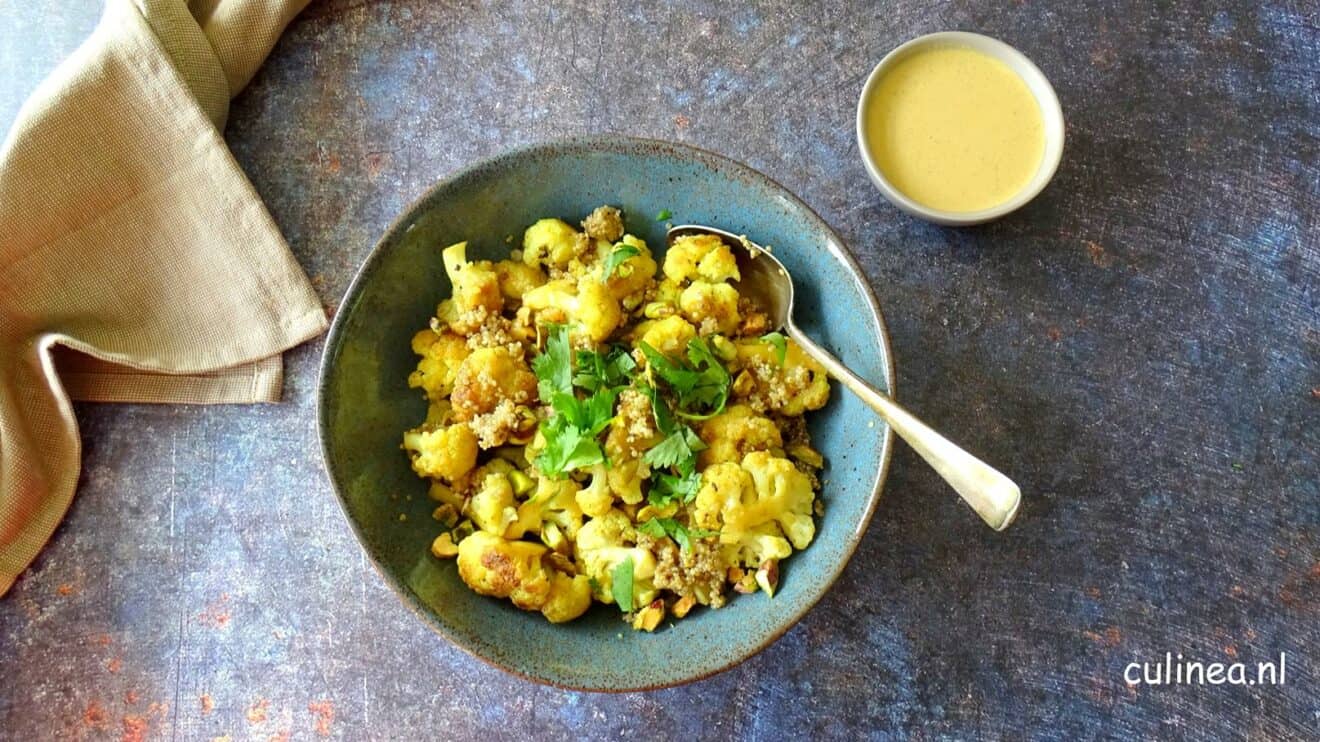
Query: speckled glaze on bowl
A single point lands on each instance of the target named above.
(365, 403)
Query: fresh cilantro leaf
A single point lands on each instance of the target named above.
(779, 343)
(678, 450)
(663, 215)
(554, 367)
(667, 488)
(698, 381)
(681, 379)
(611, 369)
(567, 447)
(570, 432)
(621, 584)
(616, 258)
(664, 420)
(681, 534)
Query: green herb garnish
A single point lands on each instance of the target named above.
(698, 381)
(663, 215)
(667, 488)
(571, 432)
(779, 343)
(597, 371)
(615, 259)
(678, 450)
(554, 367)
(621, 585)
(681, 534)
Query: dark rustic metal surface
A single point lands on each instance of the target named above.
(1140, 348)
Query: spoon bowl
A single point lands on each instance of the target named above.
(765, 281)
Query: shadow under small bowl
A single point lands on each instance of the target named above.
(365, 402)
(1050, 111)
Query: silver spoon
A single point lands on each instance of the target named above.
(765, 281)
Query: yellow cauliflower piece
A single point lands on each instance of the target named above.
(586, 304)
(712, 307)
(444, 453)
(501, 568)
(551, 243)
(669, 335)
(492, 508)
(633, 276)
(800, 384)
(736, 432)
(487, 377)
(596, 499)
(516, 279)
(476, 291)
(441, 353)
(759, 506)
(602, 545)
(553, 502)
(701, 257)
(570, 597)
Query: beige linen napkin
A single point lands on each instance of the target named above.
(129, 235)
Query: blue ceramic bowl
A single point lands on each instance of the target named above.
(365, 402)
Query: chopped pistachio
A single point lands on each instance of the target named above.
(658, 310)
(723, 348)
(807, 455)
(443, 546)
(743, 384)
(522, 484)
(554, 538)
(446, 514)
(768, 576)
(650, 617)
(683, 605)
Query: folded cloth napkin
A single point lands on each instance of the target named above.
(137, 263)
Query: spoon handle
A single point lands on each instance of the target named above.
(992, 495)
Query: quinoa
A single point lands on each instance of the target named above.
(605, 223)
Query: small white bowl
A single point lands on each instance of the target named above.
(1040, 87)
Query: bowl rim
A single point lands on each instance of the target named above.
(1050, 110)
(622, 144)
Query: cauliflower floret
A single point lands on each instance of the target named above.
(596, 499)
(712, 307)
(736, 432)
(760, 507)
(444, 453)
(605, 223)
(517, 279)
(700, 257)
(586, 303)
(570, 597)
(517, 570)
(492, 508)
(553, 503)
(602, 546)
(798, 385)
(634, 276)
(670, 335)
(476, 291)
(487, 377)
(441, 353)
(551, 243)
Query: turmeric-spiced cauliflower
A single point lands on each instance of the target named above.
(605, 427)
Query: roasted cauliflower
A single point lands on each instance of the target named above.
(611, 425)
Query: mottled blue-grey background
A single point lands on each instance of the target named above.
(1139, 348)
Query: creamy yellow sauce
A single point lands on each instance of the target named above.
(955, 129)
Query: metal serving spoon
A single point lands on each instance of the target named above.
(765, 280)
